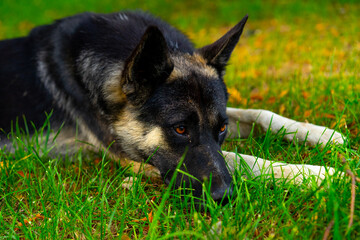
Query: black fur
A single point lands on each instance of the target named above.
(107, 36)
(159, 81)
(141, 78)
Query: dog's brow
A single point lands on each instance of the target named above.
(175, 116)
(186, 64)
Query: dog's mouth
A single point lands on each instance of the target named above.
(188, 186)
(200, 172)
(202, 202)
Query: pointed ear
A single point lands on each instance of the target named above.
(218, 53)
(148, 66)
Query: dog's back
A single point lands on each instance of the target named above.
(129, 81)
(40, 73)
(20, 91)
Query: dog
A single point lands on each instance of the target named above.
(133, 83)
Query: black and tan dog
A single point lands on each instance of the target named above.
(134, 81)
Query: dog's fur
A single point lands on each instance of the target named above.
(131, 80)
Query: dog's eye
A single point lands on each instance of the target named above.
(180, 130)
(223, 128)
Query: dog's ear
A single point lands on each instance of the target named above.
(218, 53)
(148, 66)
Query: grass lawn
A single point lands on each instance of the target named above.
(298, 59)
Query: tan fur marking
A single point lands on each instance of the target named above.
(199, 59)
(175, 74)
(112, 90)
(138, 167)
(135, 133)
(154, 138)
(184, 64)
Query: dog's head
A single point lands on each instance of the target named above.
(177, 103)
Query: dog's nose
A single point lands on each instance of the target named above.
(221, 195)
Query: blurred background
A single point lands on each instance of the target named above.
(298, 58)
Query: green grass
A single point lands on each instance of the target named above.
(299, 59)
(51, 197)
